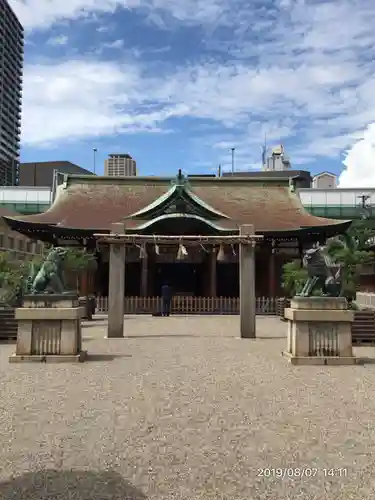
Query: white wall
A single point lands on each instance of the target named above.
(13, 194)
(335, 197)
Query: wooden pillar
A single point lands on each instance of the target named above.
(272, 271)
(151, 264)
(247, 285)
(116, 292)
(144, 275)
(212, 273)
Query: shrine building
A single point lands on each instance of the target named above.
(88, 205)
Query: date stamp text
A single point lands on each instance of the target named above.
(301, 472)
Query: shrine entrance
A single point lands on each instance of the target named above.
(118, 240)
(185, 278)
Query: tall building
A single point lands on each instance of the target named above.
(11, 67)
(120, 165)
(277, 161)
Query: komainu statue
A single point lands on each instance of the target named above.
(323, 273)
(49, 278)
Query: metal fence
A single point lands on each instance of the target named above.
(190, 305)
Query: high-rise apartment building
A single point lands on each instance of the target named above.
(120, 165)
(11, 68)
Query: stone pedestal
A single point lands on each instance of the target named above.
(49, 329)
(319, 331)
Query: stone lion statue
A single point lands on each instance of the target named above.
(322, 272)
(49, 278)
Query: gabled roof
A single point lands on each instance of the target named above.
(324, 173)
(91, 203)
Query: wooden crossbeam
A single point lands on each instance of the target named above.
(188, 240)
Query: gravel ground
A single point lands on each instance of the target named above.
(182, 409)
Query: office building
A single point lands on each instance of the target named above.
(42, 173)
(11, 67)
(120, 165)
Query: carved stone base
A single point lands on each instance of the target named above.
(49, 300)
(319, 331)
(49, 329)
(315, 360)
(61, 358)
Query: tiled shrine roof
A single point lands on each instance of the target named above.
(94, 203)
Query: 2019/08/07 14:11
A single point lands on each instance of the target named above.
(301, 472)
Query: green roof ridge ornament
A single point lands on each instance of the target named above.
(180, 180)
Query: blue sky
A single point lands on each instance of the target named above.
(177, 83)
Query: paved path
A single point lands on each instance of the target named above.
(182, 409)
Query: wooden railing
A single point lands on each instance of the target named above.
(190, 305)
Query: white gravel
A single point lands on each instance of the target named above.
(182, 409)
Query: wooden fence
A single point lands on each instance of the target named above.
(363, 328)
(8, 324)
(190, 305)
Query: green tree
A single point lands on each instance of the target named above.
(293, 278)
(13, 276)
(76, 260)
(79, 259)
(352, 250)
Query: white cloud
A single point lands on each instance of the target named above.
(116, 44)
(360, 162)
(43, 13)
(293, 69)
(58, 40)
(84, 99)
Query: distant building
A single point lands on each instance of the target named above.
(277, 160)
(301, 178)
(120, 165)
(41, 173)
(25, 200)
(324, 180)
(20, 247)
(11, 68)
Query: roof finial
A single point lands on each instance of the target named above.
(180, 180)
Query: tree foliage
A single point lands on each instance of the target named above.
(293, 278)
(13, 276)
(14, 273)
(352, 250)
(79, 259)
